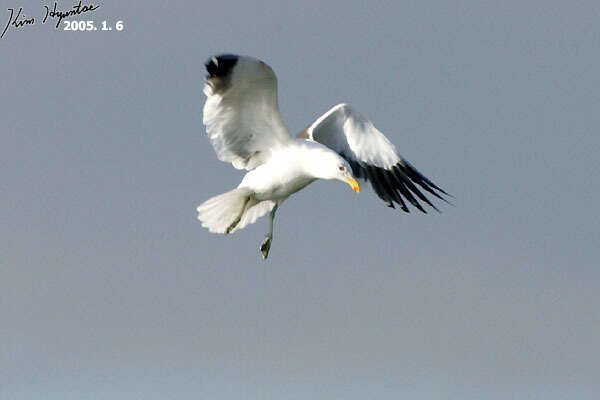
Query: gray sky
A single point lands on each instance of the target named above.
(110, 288)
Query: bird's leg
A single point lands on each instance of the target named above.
(238, 218)
(266, 244)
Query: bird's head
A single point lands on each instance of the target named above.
(344, 173)
(331, 166)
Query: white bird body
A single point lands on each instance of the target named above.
(287, 171)
(245, 128)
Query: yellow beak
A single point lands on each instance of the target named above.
(353, 184)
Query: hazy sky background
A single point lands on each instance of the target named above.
(110, 287)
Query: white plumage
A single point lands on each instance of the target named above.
(243, 122)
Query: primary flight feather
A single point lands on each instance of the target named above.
(243, 122)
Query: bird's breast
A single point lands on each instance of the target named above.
(276, 180)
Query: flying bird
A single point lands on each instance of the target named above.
(245, 127)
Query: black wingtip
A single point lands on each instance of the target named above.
(394, 185)
(221, 65)
(411, 172)
(404, 182)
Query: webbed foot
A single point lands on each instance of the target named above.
(265, 246)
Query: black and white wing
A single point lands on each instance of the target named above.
(372, 157)
(241, 113)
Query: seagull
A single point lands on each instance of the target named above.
(245, 127)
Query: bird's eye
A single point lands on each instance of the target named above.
(341, 168)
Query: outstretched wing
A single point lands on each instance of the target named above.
(372, 157)
(241, 113)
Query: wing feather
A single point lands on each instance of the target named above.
(241, 113)
(372, 157)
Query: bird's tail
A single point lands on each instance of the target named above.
(232, 210)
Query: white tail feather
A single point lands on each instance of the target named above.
(219, 212)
